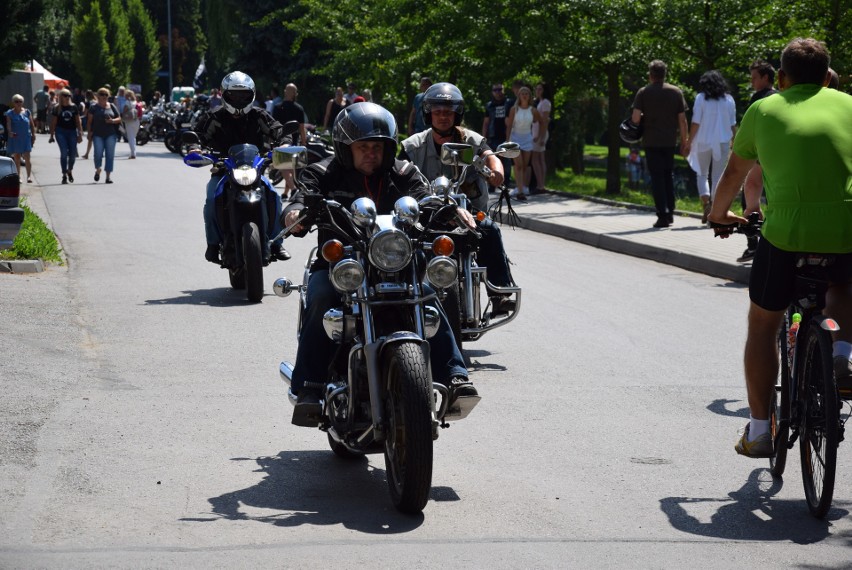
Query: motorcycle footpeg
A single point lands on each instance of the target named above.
(307, 415)
(461, 408)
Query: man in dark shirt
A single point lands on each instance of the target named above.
(288, 111)
(762, 80)
(494, 123)
(661, 108)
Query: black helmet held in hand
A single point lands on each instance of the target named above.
(630, 132)
(443, 95)
(237, 92)
(364, 122)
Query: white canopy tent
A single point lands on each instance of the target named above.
(51, 80)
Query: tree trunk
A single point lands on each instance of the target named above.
(613, 162)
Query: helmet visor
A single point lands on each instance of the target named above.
(238, 98)
(443, 105)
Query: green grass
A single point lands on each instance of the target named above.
(593, 182)
(34, 241)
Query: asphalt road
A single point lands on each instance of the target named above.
(143, 424)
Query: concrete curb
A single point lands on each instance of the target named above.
(22, 266)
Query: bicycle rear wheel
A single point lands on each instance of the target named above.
(779, 411)
(820, 432)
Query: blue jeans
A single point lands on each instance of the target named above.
(211, 228)
(66, 140)
(316, 349)
(104, 144)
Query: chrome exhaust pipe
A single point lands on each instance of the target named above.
(285, 370)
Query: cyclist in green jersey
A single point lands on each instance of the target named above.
(803, 140)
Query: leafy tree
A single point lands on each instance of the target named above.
(146, 58)
(92, 57)
(188, 40)
(17, 42)
(54, 39)
(121, 43)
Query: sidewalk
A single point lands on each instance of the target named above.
(688, 243)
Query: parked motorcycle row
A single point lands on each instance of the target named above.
(379, 396)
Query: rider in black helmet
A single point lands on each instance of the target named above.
(238, 121)
(446, 103)
(363, 165)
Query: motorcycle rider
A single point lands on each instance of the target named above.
(238, 121)
(363, 165)
(443, 110)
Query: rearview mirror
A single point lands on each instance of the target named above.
(287, 157)
(456, 154)
(509, 150)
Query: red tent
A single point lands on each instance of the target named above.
(50, 80)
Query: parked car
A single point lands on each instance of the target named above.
(11, 216)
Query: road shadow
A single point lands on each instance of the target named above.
(218, 297)
(720, 407)
(751, 513)
(318, 488)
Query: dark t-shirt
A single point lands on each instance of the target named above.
(220, 130)
(290, 111)
(497, 112)
(660, 103)
(758, 95)
(97, 119)
(66, 117)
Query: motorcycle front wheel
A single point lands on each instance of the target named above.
(408, 447)
(253, 259)
(142, 137)
(172, 142)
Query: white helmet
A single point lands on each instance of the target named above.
(237, 92)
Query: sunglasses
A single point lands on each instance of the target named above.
(497, 89)
(102, 95)
(65, 95)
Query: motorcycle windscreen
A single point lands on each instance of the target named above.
(243, 153)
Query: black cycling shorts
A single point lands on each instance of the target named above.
(772, 281)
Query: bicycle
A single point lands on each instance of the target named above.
(806, 404)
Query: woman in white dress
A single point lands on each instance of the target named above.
(519, 129)
(714, 123)
(540, 136)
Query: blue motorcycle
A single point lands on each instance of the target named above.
(242, 211)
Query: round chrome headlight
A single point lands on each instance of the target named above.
(347, 275)
(364, 212)
(406, 210)
(244, 175)
(390, 250)
(441, 271)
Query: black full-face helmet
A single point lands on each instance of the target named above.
(237, 92)
(443, 95)
(364, 122)
(630, 132)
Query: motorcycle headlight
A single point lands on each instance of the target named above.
(390, 250)
(347, 275)
(244, 175)
(441, 271)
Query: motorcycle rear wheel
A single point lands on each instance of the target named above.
(253, 260)
(171, 142)
(408, 447)
(142, 137)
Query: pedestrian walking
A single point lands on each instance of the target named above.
(661, 108)
(130, 116)
(66, 129)
(21, 130)
(714, 124)
(104, 119)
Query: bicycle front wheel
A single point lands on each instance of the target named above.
(820, 431)
(779, 410)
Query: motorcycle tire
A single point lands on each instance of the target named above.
(142, 137)
(171, 142)
(253, 259)
(238, 278)
(408, 406)
(452, 306)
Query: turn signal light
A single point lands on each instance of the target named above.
(480, 215)
(443, 245)
(332, 251)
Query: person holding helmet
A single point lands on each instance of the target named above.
(363, 165)
(443, 111)
(238, 121)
